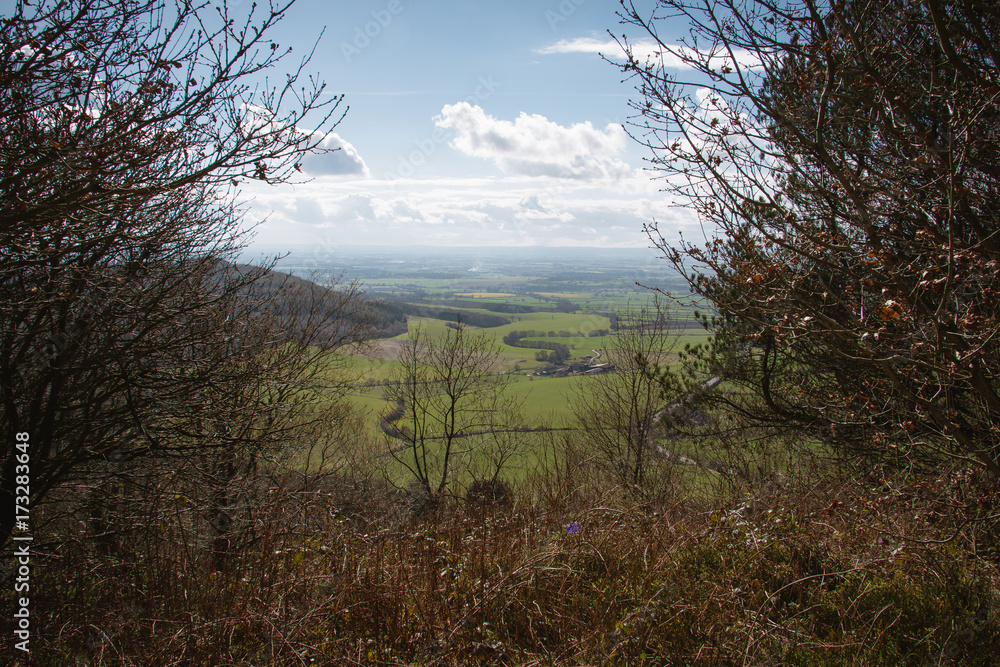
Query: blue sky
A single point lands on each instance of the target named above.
(470, 123)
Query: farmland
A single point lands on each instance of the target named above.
(527, 303)
(566, 296)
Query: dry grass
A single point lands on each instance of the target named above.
(343, 574)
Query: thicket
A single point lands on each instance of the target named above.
(842, 157)
(335, 570)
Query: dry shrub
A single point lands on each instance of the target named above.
(488, 494)
(337, 571)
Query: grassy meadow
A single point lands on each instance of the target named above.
(545, 400)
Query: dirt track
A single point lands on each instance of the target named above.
(386, 350)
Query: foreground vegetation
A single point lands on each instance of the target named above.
(811, 571)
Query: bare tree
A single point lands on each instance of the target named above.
(619, 411)
(844, 158)
(451, 405)
(126, 127)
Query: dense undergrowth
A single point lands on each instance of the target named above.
(814, 572)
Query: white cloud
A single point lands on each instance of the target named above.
(670, 56)
(532, 145)
(334, 156)
(308, 211)
(25, 52)
(341, 160)
(353, 208)
(606, 47)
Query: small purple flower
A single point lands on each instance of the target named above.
(573, 528)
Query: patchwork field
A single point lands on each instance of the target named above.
(570, 298)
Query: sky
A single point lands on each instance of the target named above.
(469, 123)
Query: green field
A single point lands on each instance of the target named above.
(545, 402)
(572, 297)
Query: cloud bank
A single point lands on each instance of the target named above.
(505, 211)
